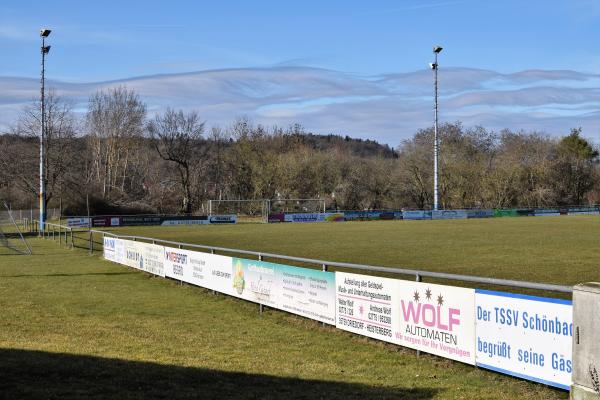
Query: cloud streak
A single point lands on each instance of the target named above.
(388, 108)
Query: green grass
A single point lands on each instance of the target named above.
(560, 250)
(75, 326)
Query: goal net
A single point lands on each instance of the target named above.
(11, 238)
(296, 206)
(256, 210)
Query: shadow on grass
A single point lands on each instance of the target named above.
(37, 374)
(63, 275)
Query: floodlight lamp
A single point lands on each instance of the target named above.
(45, 32)
(433, 65)
(437, 49)
(46, 49)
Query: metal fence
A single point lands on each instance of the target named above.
(31, 214)
(93, 240)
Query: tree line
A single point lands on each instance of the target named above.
(118, 159)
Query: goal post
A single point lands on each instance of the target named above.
(296, 206)
(11, 238)
(258, 210)
(247, 210)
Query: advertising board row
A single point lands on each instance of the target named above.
(370, 215)
(525, 336)
(303, 291)
(146, 220)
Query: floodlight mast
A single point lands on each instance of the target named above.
(434, 66)
(44, 33)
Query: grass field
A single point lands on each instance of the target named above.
(75, 326)
(560, 250)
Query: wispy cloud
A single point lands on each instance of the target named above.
(387, 108)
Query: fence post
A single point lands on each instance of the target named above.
(418, 278)
(91, 243)
(72, 242)
(324, 269)
(59, 235)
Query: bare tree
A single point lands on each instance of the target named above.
(115, 122)
(20, 158)
(177, 139)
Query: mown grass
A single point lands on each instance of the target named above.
(560, 250)
(75, 326)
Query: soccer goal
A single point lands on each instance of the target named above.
(255, 210)
(11, 238)
(296, 206)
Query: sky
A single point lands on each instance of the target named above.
(344, 67)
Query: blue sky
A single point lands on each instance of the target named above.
(359, 42)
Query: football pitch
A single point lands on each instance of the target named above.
(559, 250)
(76, 326)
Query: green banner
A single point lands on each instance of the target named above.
(508, 212)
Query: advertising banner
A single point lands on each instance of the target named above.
(303, 291)
(361, 215)
(185, 222)
(274, 218)
(371, 215)
(437, 319)
(525, 336)
(222, 219)
(151, 258)
(546, 212)
(99, 222)
(314, 217)
(148, 220)
(582, 211)
(525, 212)
(78, 222)
(133, 254)
(433, 318)
(366, 305)
(416, 214)
(210, 271)
(114, 250)
(480, 213)
(510, 212)
(449, 214)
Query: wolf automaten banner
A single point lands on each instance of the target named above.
(302, 291)
(525, 336)
(436, 319)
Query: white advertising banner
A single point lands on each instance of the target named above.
(185, 222)
(152, 258)
(114, 249)
(525, 336)
(365, 305)
(210, 271)
(303, 291)
(433, 318)
(416, 214)
(78, 222)
(133, 254)
(449, 214)
(437, 319)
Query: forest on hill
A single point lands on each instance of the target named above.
(122, 160)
